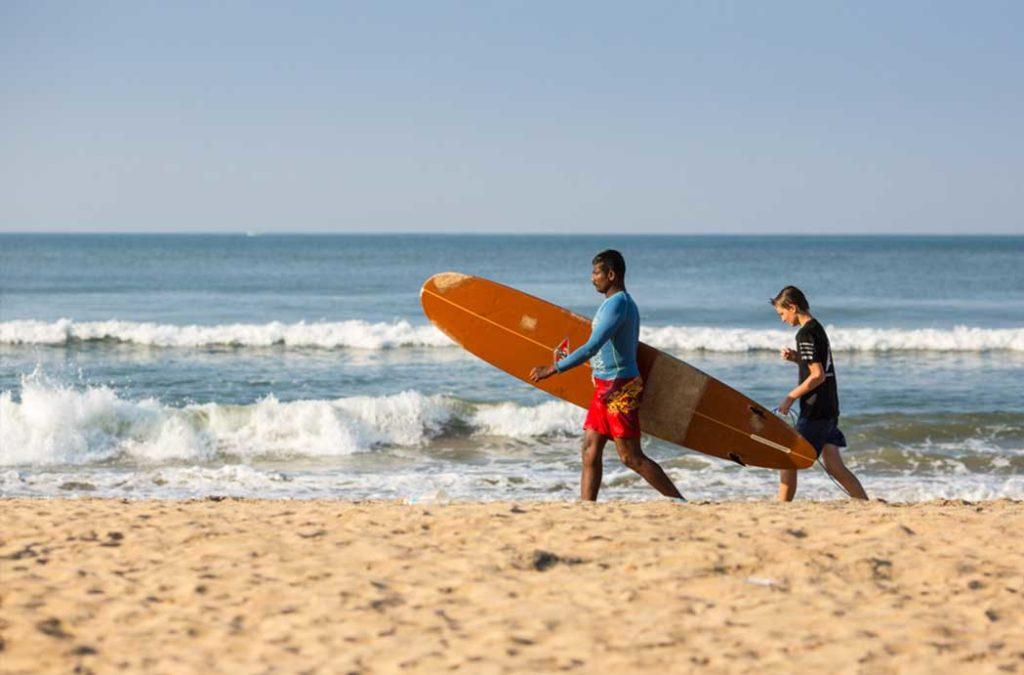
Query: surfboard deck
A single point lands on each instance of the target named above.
(515, 331)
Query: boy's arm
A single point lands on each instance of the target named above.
(608, 321)
(807, 351)
(813, 381)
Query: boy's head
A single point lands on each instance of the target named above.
(609, 269)
(789, 304)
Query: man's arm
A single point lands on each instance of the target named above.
(608, 321)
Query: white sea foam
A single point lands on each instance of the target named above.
(60, 425)
(958, 339)
(320, 428)
(357, 334)
(47, 424)
(55, 425)
(431, 482)
(325, 335)
(58, 440)
(515, 421)
(61, 441)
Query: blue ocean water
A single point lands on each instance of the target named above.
(302, 366)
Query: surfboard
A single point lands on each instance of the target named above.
(515, 331)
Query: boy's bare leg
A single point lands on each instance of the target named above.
(634, 458)
(834, 465)
(592, 453)
(787, 485)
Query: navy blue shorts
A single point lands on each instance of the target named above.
(821, 432)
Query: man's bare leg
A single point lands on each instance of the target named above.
(592, 453)
(834, 465)
(634, 458)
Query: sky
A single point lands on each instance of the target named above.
(809, 117)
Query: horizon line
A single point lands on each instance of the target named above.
(504, 233)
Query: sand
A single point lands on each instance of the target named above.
(327, 586)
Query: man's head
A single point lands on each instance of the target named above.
(609, 271)
(789, 304)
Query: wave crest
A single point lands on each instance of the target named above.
(357, 334)
(352, 334)
(54, 425)
(958, 339)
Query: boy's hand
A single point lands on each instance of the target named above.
(542, 373)
(788, 354)
(785, 405)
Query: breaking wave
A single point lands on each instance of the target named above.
(353, 334)
(357, 334)
(50, 424)
(958, 339)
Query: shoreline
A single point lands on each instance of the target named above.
(241, 585)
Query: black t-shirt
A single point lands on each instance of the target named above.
(812, 347)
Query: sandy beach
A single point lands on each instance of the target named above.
(327, 586)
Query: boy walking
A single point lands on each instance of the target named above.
(817, 392)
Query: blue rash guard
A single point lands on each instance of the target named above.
(614, 336)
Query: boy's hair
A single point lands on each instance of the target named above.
(791, 296)
(611, 259)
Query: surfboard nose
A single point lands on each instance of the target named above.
(443, 282)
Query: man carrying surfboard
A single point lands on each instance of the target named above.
(615, 408)
(817, 392)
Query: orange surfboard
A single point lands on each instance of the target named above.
(515, 331)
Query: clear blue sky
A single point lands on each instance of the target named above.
(704, 117)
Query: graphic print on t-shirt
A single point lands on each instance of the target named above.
(812, 346)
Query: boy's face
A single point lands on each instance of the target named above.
(601, 278)
(787, 314)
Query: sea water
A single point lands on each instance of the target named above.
(144, 366)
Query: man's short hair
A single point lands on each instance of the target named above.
(611, 259)
(791, 296)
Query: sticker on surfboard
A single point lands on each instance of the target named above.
(562, 350)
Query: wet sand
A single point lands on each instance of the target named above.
(325, 586)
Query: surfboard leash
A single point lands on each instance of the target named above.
(832, 478)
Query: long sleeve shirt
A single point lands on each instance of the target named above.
(614, 337)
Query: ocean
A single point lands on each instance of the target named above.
(301, 366)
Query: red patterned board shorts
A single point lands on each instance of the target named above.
(615, 409)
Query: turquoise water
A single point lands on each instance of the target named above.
(295, 366)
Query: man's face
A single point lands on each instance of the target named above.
(601, 278)
(787, 314)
